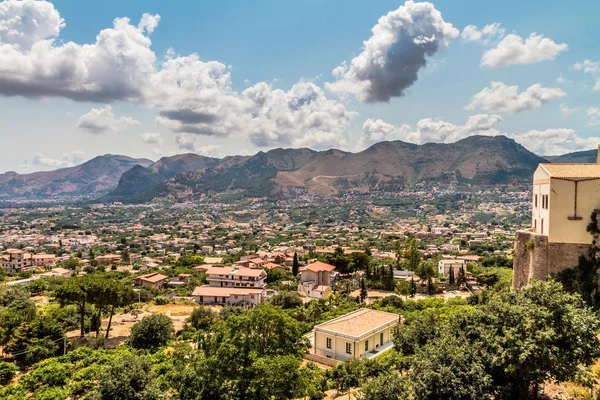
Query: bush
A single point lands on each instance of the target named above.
(151, 332)
(286, 300)
(161, 300)
(7, 372)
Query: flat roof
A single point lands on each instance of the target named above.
(224, 291)
(359, 322)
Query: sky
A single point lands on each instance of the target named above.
(154, 78)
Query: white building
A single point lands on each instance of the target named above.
(444, 266)
(363, 333)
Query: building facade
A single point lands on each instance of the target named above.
(364, 333)
(564, 196)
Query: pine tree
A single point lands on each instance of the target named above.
(413, 287)
(430, 288)
(363, 290)
(451, 276)
(462, 277)
(412, 256)
(295, 265)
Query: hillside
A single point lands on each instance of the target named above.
(588, 156)
(385, 166)
(92, 178)
(140, 179)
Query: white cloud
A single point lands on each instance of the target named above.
(210, 150)
(152, 138)
(35, 63)
(562, 80)
(487, 33)
(566, 110)
(375, 131)
(592, 68)
(500, 97)
(512, 49)
(551, 142)
(67, 160)
(101, 120)
(191, 96)
(593, 114)
(430, 130)
(186, 141)
(302, 116)
(392, 57)
(543, 142)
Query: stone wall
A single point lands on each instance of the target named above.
(536, 259)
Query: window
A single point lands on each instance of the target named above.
(348, 348)
(535, 199)
(381, 338)
(366, 345)
(328, 343)
(545, 201)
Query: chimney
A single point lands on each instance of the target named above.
(598, 156)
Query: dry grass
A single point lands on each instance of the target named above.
(120, 328)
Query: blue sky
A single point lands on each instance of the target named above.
(271, 85)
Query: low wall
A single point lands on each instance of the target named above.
(321, 360)
(536, 259)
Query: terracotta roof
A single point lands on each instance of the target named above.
(152, 278)
(219, 270)
(273, 266)
(223, 291)
(318, 267)
(253, 272)
(572, 171)
(359, 322)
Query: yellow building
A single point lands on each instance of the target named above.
(564, 197)
(363, 333)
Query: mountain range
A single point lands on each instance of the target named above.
(95, 177)
(385, 166)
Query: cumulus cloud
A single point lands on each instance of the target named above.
(593, 114)
(66, 160)
(592, 68)
(302, 116)
(512, 49)
(551, 142)
(152, 138)
(500, 97)
(374, 131)
(562, 80)
(472, 34)
(101, 120)
(210, 150)
(34, 63)
(430, 130)
(391, 58)
(191, 96)
(187, 142)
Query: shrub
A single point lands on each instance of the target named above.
(151, 332)
(7, 372)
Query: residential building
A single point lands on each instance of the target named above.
(108, 259)
(13, 260)
(151, 281)
(234, 296)
(236, 277)
(232, 285)
(364, 333)
(444, 266)
(563, 200)
(316, 280)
